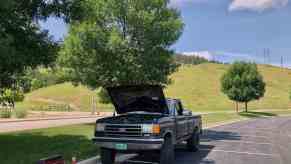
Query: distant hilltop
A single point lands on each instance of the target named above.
(230, 57)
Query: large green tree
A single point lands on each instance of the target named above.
(122, 42)
(243, 83)
(22, 43)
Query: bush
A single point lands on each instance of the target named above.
(5, 113)
(20, 113)
(45, 76)
(10, 96)
(104, 97)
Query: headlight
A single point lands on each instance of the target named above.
(151, 128)
(100, 127)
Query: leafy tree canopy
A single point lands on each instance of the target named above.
(122, 42)
(243, 83)
(22, 42)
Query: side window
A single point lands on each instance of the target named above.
(172, 108)
(173, 112)
(179, 109)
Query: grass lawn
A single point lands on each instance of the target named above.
(28, 146)
(80, 97)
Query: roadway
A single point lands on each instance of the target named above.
(43, 123)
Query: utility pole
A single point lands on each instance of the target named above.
(282, 64)
(269, 56)
(93, 105)
(264, 55)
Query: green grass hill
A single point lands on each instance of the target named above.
(198, 86)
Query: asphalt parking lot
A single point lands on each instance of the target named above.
(257, 141)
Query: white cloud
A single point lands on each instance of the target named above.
(205, 54)
(256, 5)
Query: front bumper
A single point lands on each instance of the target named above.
(132, 144)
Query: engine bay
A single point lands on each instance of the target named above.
(133, 119)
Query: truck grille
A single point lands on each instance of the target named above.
(114, 130)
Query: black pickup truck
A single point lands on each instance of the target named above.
(146, 121)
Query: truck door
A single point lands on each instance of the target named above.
(182, 121)
(189, 124)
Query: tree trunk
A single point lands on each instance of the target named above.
(236, 106)
(246, 106)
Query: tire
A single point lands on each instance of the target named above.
(107, 156)
(193, 142)
(167, 153)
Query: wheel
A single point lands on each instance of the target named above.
(194, 141)
(167, 153)
(107, 156)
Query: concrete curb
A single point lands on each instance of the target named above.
(244, 119)
(225, 123)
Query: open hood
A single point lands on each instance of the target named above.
(148, 98)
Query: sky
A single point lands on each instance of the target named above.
(227, 30)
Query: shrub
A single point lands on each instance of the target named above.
(104, 97)
(20, 113)
(5, 113)
(45, 76)
(11, 96)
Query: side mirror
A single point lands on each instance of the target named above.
(187, 112)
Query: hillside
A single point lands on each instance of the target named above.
(198, 86)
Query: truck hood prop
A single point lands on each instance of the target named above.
(148, 98)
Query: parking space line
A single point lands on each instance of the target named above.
(245, 142)
(258, 129)
(254, 136)
(240, 152)
(252, 133)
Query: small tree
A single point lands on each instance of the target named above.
(243, 83)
